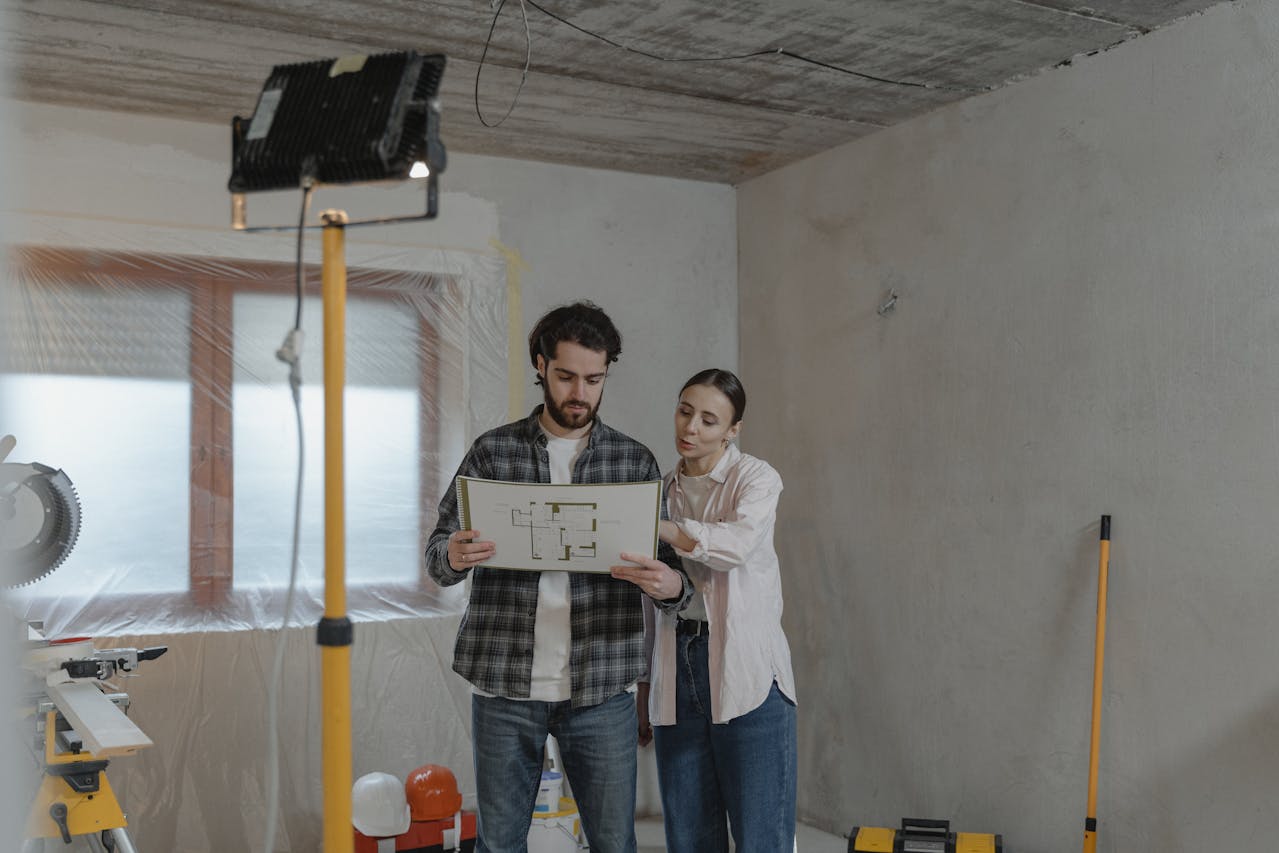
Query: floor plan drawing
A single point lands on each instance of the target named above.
(559, 531)
(573, 527)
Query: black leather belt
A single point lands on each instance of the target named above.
(692, 628)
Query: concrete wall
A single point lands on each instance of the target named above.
(658, 254)
(1087, 323)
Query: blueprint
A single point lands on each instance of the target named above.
(568, 527)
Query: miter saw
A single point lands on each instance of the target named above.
(39, 518)
(80, 725)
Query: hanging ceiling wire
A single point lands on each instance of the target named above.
(754, 54)
(528, 58)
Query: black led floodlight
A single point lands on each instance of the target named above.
(356, 119)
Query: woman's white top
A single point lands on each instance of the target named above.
(696, 491)
(735, 568)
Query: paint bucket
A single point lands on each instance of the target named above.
(558, 831)
(549, 792)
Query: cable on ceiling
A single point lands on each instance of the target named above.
(528, 58)
(754, 54)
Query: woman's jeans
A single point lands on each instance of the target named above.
(743, 769)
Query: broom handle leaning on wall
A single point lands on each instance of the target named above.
(1099, 655)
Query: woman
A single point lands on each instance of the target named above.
(721, 695)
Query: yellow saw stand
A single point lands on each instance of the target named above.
(79, 729)
(75, 799)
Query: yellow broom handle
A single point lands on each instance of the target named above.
(334, 634)
(1099, 658)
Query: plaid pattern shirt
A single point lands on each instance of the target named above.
(494, 649)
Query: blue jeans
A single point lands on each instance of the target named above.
(743, 769)
(597, 744)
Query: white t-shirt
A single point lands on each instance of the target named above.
(553, 633)
(696, 490)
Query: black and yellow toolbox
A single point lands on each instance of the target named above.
(921, 836)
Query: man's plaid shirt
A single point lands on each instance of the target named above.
(494, 649)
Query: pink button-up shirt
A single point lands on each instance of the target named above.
(736, 569)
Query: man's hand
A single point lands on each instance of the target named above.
(641, 711)
(466, 551)
(656, 579)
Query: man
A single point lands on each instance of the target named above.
(555, 652)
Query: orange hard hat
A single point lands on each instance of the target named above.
(432, 793)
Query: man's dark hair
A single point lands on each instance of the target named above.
(583, 323)
(727, 383)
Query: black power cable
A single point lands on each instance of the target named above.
(754, 54)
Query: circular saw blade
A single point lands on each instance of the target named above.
(39, 521)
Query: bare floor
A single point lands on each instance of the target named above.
(651, 839)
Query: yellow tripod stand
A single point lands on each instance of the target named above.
(354, 119)
(334, 633)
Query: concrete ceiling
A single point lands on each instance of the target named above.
(585, 102)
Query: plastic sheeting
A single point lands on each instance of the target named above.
(201, 787)
(152, 381)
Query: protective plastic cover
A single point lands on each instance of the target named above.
(152, 381)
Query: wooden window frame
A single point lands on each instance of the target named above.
(212, 285)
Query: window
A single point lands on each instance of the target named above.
(135, 523)
(381, 441)
(152, 382)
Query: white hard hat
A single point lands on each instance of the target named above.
(378, 805)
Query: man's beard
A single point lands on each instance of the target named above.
(566, 419)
